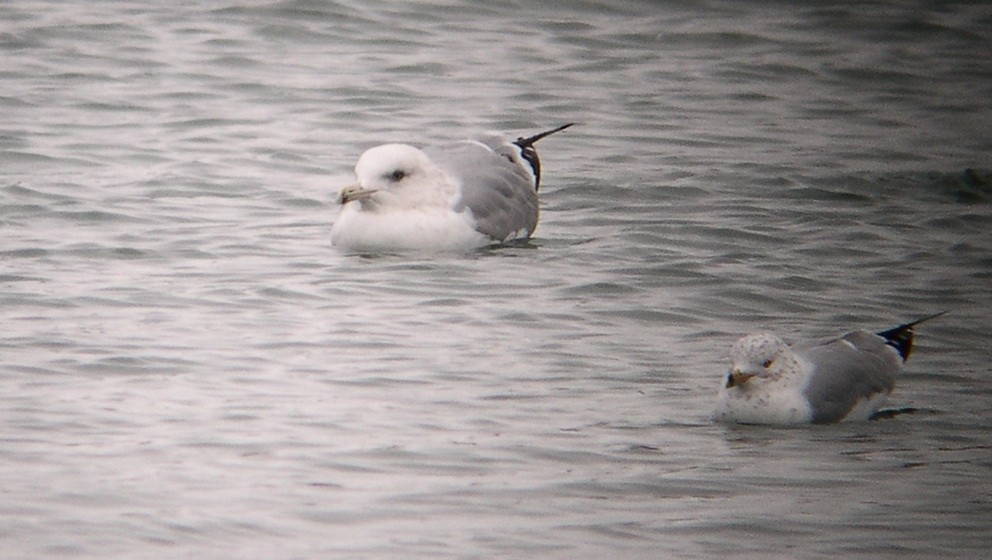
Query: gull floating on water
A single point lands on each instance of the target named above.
(846, 378)
(451, 197)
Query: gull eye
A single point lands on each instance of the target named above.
(767, 364)
(397, 175)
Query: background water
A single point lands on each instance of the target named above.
(188, 368)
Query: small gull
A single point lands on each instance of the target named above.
(452, 197)
(819, 382)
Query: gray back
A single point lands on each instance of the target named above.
(497, 190)
(857, 366)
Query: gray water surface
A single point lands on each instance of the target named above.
(188, 368)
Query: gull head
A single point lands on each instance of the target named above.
(759, 358)
(397, 176)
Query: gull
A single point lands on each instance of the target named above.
(452, 197)
(820, 382)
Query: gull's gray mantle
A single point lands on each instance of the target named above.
(820, 382)
(452, 196)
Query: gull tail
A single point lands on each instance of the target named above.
(901, 337)
(529, 153)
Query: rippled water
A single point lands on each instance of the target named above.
(189, 369)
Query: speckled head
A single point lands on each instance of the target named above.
(757, 355)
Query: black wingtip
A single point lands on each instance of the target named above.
(529, 153)
(901, 337)
(526, 142)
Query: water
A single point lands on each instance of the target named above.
(190, 370)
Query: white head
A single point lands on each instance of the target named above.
(764, 383)
(759, 358)
(398, 175)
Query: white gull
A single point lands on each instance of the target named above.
(820, 382)
(452, 197)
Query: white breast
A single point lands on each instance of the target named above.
(423, 229)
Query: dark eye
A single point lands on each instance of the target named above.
(767, 364)
(397, 175)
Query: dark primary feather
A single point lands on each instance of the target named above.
(494, 186)
(496, 190)
(529, 152)
(856, 366)
(901, 337)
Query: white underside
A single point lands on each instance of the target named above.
(420, 229)
(762, 406)
(781, 407)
